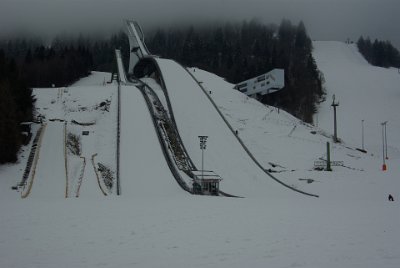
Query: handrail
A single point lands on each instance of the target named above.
(31, 157)
(121, 79)
(66, 160)
(35, 161)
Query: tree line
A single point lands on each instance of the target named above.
(379, 53)
(16, 103)
(25, 64)
(236, 52)
(58, 64)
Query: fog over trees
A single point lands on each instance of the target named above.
(235, 51)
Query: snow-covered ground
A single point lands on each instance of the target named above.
(156, 224)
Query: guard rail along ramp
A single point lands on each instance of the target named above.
(31, 157)
(121, 80)
(32, 166)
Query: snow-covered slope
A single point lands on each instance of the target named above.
(195, 115)
(50, 178)
(266, 130)
(156, 224)
(364, 92)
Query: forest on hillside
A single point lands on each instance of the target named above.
(16, 103)
(26, 64)
(379, 53)
(235, 51)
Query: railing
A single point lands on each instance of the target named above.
(121, 79)
(36, 158)
(31, 156)
(66, 160)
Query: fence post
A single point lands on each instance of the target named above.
(328, 157)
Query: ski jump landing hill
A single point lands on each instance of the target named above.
(48, 179)
(193, 114)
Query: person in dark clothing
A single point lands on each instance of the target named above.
(390, 197)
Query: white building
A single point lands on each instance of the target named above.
(263, 84)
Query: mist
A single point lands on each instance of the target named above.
(324, 19)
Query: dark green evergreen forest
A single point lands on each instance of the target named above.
(235, 51)
(25, 64)
(16, 102)
(379, 53)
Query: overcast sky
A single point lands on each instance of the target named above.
(324, 19)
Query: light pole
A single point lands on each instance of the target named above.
(334, 105)
(386, 156)
(383, 145)
(362, 134)
(203, 141)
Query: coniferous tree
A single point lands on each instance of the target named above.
(9, 135)
(379, 53)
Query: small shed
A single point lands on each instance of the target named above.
(206, 182)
